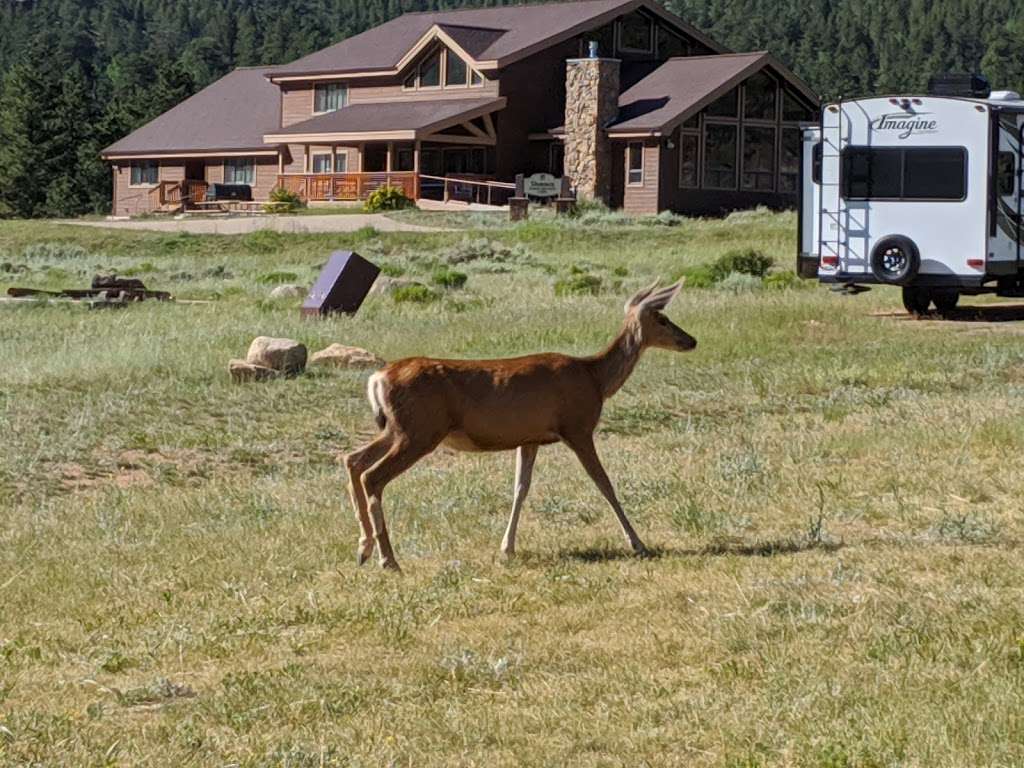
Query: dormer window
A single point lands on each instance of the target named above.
(430, 71)
(456, 71)
(636, 34)
(329, 97)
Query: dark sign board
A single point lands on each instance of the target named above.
(342, 285)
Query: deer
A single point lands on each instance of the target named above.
(519, 403)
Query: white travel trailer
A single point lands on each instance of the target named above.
(922, 192)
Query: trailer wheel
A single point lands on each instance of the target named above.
(945, 300)
(916, 300)
(895, 260)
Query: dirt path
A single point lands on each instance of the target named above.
(349, 222)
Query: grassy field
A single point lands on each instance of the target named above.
(834, 496)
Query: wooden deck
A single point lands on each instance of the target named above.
(319, 187)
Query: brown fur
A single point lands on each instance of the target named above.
(496, 405)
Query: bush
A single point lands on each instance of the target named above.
(416, 293)
(283, 201)
(746, 262)
(577, 284)
(448, 278)
(698, 276)
(782, 280)
(740, 282)
(387, 199)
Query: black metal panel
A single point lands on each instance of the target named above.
(342, 286)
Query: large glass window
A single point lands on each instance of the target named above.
(144, 172)
(759, 97)
(329, 97)
(341, 162)
(720, 156)
(789, 160)
(239, 170)
(430, 72)
(793, 109)
(904, 174)
(689, 155)
(456, 72)
(670, 44)
(635, 164)
(758, 158)
(322, 163)
(725, 106)
(635, 33)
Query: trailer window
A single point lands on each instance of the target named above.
(816, 157)
(904, 174)
(1006, 172)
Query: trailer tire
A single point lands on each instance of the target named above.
(916, 300)
(945, 299)
(895, 260)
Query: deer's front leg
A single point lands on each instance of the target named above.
(356, 463)
(525, 456)
(583, 447)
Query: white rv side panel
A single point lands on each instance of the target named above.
(810, 195)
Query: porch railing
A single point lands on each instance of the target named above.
(470, 189)
(347, 186)
(176, 193)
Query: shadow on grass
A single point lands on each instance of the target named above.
(767, 548)
(985, 313)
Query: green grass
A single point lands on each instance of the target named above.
(834, 497)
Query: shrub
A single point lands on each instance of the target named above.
(747, 262)
(698, 276)
(283, 201)
(578, 283)
(620, 272)
(449, 278)
(740, 282)
(782, 280)
(387, 199)
(416, 293)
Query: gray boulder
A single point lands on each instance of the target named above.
(286, 356)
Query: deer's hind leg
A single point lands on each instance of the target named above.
(402, 453)
(357, 463)
(525, 456)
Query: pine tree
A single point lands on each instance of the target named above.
(23, 147)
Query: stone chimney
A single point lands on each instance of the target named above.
(591, 103)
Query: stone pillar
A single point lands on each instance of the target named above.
(591, 103)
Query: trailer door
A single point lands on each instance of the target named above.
(1004, 225)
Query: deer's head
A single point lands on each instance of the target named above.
(645, 311)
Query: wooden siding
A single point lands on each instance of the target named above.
(643, 198)
(131, 201)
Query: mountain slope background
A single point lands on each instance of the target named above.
(78, 74)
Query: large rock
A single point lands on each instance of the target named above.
(284, 355)
(242, 371)
(289, 291)
(340, 356)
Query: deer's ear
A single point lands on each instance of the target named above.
(640, 295)
(661, 299)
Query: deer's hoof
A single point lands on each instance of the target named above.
(390, 565)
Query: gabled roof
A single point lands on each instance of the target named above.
(392, 120)
(680, 88)
(492, 37)
(231, 115)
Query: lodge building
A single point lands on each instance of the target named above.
(635, 106)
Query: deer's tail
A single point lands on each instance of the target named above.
(375, 392)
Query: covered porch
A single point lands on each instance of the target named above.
(439, 150)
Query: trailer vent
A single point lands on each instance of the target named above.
(968, 86)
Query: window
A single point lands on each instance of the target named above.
(759, 98)
(405, 159)
(145, 172)
(605, 39)
(793, 109)
(670, 44)
(817, 155)
(322, 163)
(341, 162)
(635, 33)
(689, 160)
(635, 163)
(475, 79)
(789, 159)
(1006, 167)
(904, 174)
(329, 97)
(720, 157)
(758, 158)
(725, 106)
(456, 71)
(430, 72)
(410, 82)
(240, 170)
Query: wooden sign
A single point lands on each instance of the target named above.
(542, 185)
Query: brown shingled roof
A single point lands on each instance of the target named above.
(681, 87)
(523, 28)
(414, 117)
(231, 114)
